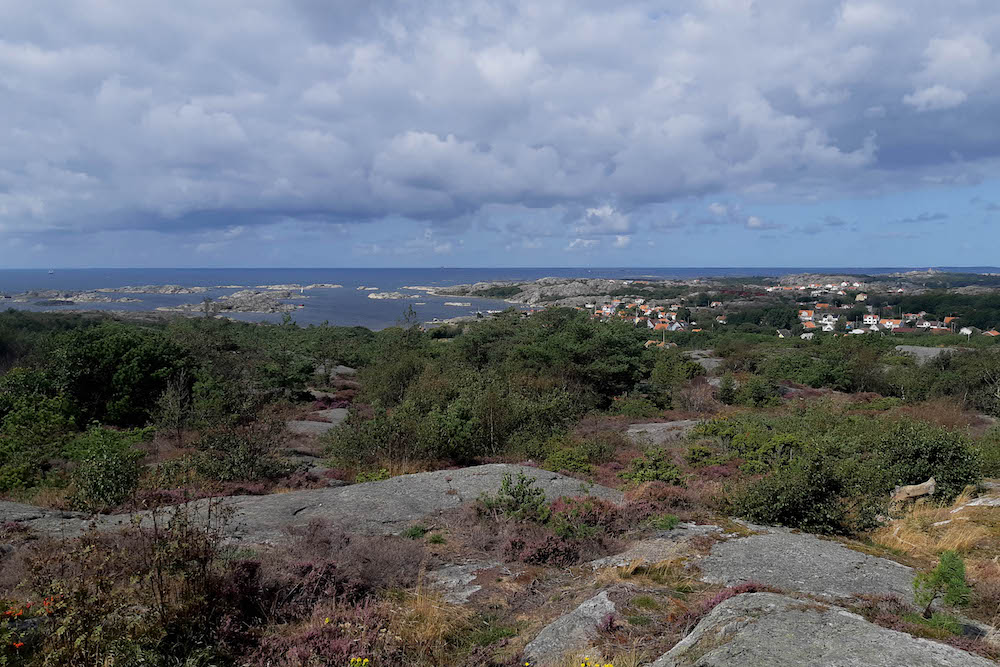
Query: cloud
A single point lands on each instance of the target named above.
(582, 244)
(591, 118)
(935, 98)
(622, 241)
(757, 224)
(923, 217)
(604, 220)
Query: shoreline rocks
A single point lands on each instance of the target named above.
(770, 629)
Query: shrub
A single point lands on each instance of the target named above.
(802, 494)
(519, 501)
(654, 466)
(372, 475)
(537, 545)
(700, 455)
(414, 532)
(570, 460)
(727, 389)
(248, 452)
(947, 581)
(989, 452)
(665, 522)
(106, 479)
(757, 392)
(580, 518)
(634, 407)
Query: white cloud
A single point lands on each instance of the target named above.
(718, 209)
(935, 98)
(622, 241)
(604, 220)
(582, 244)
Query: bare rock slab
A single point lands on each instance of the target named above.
(670, 544)
(374, 508)
(804, 563)
(334, 416)
(457, 582)
(304, 427)
(765, 629)
(660, 433)
(569, 633)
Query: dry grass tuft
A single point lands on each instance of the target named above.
(424, 620)
(926, 529)
(673, 574)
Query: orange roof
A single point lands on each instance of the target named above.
(661, 325)
(809, 325)
(991, 332)
(949, 320)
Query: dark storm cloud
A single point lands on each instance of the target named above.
(185, 115)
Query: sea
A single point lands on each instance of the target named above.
(349, 306)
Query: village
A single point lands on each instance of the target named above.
(839, 308)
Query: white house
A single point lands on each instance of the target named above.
(807, 336)
(870, 318)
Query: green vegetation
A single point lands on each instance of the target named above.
(832, 472)
(946, 581)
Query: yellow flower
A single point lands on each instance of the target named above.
(326, 620)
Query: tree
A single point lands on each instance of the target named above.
(947, 581)
(174, 406)
(727, 389)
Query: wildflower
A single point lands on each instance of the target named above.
(18, 644)
(326, 620)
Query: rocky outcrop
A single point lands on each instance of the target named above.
(374, 508)
(457, 582)
(804, 563)
(665, 546)
(765, 629)
(660, 433)
(705, 358)
(154, 289)
(244, 301)
(569, 633)
(925, 354)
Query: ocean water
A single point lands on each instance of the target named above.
(347, 306)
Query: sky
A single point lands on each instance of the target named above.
(382, 133)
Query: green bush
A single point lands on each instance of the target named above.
(520, 500)
(107, 472)
(570, 460)
(245, 453)
(105, 479)
(989, 452)
(634, 407)
(372, 475)
(665, 522)
(653, 466)
(804, 493)
(757, 392)
(699, 455)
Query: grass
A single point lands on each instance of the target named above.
(645, 602)
(414, 532)
(665, 522)
(928, 529)
(484, 630)
(672, 574)
(436, 538)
